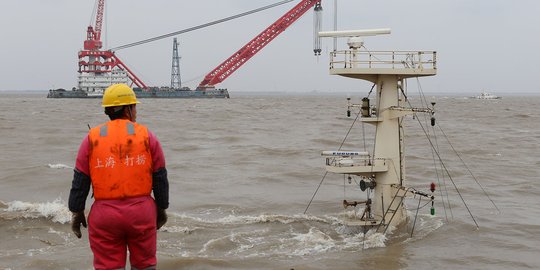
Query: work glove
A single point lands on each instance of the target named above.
(161, 218)
(76, 220)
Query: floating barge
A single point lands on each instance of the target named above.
(157, 92)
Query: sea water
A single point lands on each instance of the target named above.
(243, 170)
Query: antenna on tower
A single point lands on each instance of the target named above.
(176, 81)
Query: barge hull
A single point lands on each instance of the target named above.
(217, 93)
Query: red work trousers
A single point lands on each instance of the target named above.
(114, 225)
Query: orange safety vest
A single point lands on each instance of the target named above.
(120, 160)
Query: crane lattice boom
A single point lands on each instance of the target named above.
(239, 58)
(99, 17)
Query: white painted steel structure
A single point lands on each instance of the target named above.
(388, 70)
(96, 83)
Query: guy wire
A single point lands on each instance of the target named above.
(442, 163)
(449, 176)
(470, 172)
(326, 173)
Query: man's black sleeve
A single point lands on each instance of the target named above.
(160, 186)
(80, 187)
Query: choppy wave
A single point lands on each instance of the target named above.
(251, 236)
(292, 243)
(178, 229)
(55, 211)
(59, 166)
(263, 218)
(238, 177)
(260, 236)
(425, 224)
(314, 241)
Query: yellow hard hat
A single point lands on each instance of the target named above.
(119, 95)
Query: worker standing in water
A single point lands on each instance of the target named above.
(123, 162)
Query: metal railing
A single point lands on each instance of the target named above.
(383, 59)
(354, 161)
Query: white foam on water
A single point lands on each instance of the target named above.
(425, 224)
(354, 238)
(65, 236)
(333, 220)
(294, 243)
(254, 244)
(178, 229)
(263, 218)
(242, 241)
(56, 211)
(59, 166)
(268, 218)
(326, 234)
(313, 242)
(374, 240)
(235, 243)
(212, 244)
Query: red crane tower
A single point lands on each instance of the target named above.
(225, 69)
(97, 68)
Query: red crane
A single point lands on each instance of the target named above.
(225, 69)
(93, 61)
(93, 37)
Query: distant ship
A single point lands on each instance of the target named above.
(486, 95)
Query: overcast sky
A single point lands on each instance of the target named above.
(489, 45)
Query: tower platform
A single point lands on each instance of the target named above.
(368, 65)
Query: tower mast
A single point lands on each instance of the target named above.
(176, 80)
(382, 172)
